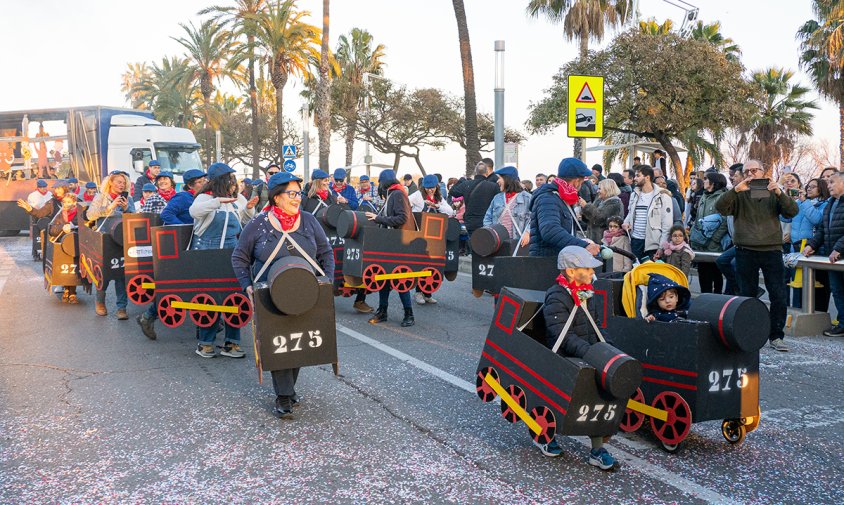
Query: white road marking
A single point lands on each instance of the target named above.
(644, 467)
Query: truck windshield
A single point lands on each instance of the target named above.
(178, 158)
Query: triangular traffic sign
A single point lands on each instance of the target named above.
(585, 95)
(288, 152)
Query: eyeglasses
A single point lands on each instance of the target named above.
(293, 194)
(750, 171)
(338, 181)
(273, 173)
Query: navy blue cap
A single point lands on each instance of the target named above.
(281, 178)
(509, 171)
(430, 181)
(73, 180)
(118, 172)
(219, 169)
(363, 178)
(387, 175)
(154, 163)
(149, 187)
(41, 183)
(340, 173)
(164, 174)
(91, 185)
(258, 182)
(247, 180)
(319, 174)
(573, 167)
(191, 174)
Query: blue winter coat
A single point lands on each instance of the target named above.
(348, 193)
(177, 210)
(808, 217)
(552, 225)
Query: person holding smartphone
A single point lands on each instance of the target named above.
(113, 202)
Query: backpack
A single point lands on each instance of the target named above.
(704, 229)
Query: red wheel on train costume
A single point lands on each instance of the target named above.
(484, 390)
(83, 272)
(402, 285)
(679, 422)
(169, 315)
(136, 292)
(633, 420)
(518, 395)
(547, 422)
(244, 312)
(430, 284)
(369, 275)
(203, 318)
(98, 276)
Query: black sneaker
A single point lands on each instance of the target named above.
(835, 331)
(379, 317)
(408, 320)
(283, 407)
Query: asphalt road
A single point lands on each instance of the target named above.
(93, 412)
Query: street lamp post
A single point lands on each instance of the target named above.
(499, 103)
(306, 129)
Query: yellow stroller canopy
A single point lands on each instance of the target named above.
(639, 276)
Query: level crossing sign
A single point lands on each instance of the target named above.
(586, 106)
(288, 152)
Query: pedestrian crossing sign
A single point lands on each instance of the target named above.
(586, 106)
(288, 152)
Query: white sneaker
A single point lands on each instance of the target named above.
(420, 298)
(430, 299)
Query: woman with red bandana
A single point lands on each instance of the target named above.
(256, 247)
(63, 224)
(319, 193)
(166, 185)
(553, 225)
(510, 207)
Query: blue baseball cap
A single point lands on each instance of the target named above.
(508, 171)
(73, 180)
(41, 183)
(91, 185)
(192, 174)
(154, 163)
(340, 173)
(572, 167)
(219, 169)
(430, 181)
(319, 174)
(149, 187)
(363, 178)
(387, 175)
(247, 180)
(164, 174)
(281, 178)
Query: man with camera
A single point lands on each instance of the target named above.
(756, 203)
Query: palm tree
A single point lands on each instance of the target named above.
(323, 116)
(583, 20)
(470, 112)
(822, 56)
(208, 48)
(289, 45)
(242, 16)
(651, 27)
(169, 90)
(356, 57)
(783, 114)
(712, 33)
(134, 74)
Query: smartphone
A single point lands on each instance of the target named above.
(793, 192)
(125, 195)
(759, 188)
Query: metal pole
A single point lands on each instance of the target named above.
(499, 103)
(306, 128)
(219, 136)
(808, 290)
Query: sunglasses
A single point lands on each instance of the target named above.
(752, 171)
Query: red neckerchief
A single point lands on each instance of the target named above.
(114, 196)
(573, 287)
(396, 186)
(568, 193)
(509, 196)
(322, 194)
(43, 191)
(167, 194)
(287, 220)
(191, 191)
(88, 198)
(69, 216)
(431, 198)
(337, 188)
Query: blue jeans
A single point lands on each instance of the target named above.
(727, 265)
(637, 246)
(384, 297)
(119, 293)
(151, 312)
(836, 285)
(207, 336)
(748, 264)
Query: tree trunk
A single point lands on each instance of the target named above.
(841, 135)
(350, 143)
(470, 107)
(419, 164)
(279, 119)
(584, 51)
(396, 161)
(324, 94)
(690, 166)
(208, 145)
(665, 142)
(253, 102)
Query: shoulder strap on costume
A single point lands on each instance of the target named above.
(286, 238)
(565, 331)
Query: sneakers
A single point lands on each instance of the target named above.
(232, 350)
(380, 316)
(71, 299)
(551, 449)
(147, 326)
(421, 299)
(602, 459)
(835, 331)
(430, 299)
(206, 351)
(779, 345)
(283, 407)
(362, 307)
(65, 296)
(100, 309)
(408, 320)
(295, 400)
(122, 315)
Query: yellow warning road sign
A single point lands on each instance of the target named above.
(586, 106)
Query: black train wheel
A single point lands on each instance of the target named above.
(633, 420)
(733, 431)
(517, 394)
(679, 422)
(484, 390)
(547, 422)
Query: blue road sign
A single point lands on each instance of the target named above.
(289, 166)
(288, 152)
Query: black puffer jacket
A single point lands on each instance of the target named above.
(830, 236)
(558, 306)
(477, 195)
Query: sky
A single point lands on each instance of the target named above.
(76, 51)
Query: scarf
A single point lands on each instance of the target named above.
(287, 220)
(509, 196)
(88, 198)
(669, 247)
(431, 198)
(69, 215)
(337, 188)
(322, 194)
(114, 196)
(568, 193)
(191, 191)
(167, 194)
(397, 186)
(609, 235)
(575, 289)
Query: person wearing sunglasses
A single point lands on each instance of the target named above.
(758, 240)
(257, 246)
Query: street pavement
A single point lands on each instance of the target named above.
(93, 412)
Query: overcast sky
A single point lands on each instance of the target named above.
(73, 53)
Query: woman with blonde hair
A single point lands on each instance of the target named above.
(607, 205)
